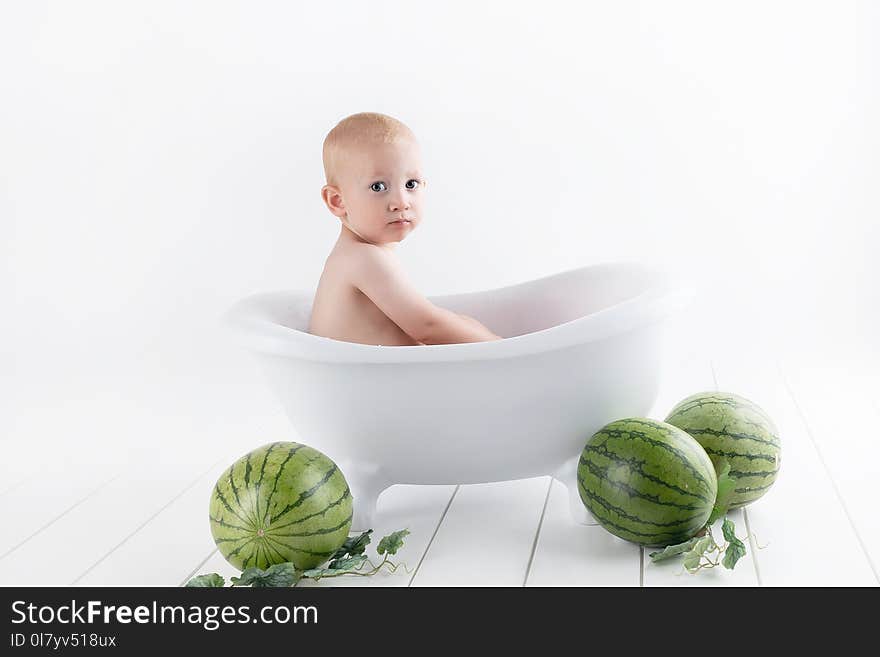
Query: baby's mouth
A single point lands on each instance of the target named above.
(402, 221)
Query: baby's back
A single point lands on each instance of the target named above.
(342, 312)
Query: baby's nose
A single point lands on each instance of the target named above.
(397, 204)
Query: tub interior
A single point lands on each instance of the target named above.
(509, 311)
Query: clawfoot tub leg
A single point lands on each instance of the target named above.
(365, 483)
(567, 475)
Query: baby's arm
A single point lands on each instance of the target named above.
(378, 275)
(479, 325)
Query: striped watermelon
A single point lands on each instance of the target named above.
(733, 428)
(281, 502)
(647, 481)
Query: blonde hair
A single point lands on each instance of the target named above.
(356, 130)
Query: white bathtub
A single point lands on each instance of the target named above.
(581, 348)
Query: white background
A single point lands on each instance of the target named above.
(160, 160)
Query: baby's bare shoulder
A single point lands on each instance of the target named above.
(360, 260)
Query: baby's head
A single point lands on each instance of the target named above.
(373, 168)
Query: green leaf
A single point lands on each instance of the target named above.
(705, 544)
(693, 558)
(247, 576)
(318, 573)
(729, 530)
(736, 549)
(674, 550)
(392, 543)
(280, 574)
(207, 580)
(348, 563)
(353, 545)
(726, 486)
(343, 566)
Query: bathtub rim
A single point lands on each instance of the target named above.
(246, 323)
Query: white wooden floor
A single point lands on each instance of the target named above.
(109, 484)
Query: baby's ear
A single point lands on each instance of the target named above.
(333, 200)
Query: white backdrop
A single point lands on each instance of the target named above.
(159, 160)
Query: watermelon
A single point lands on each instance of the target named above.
(282, 502)
(647, 481)
(733, 428)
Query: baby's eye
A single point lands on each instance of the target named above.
(378, 184)
(417, 183)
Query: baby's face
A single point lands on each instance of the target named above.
(382, 185)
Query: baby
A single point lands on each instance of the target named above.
(376, 187)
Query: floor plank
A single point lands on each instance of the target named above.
(161, 551)
(807, 536)
(569, 554)
(838, 403)
(487, 537)
(30, 509)
(73, 542)
(15, 481)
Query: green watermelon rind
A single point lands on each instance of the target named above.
(647, 481)
(735, 429)
(284, 501)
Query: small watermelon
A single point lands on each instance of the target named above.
(646, 481)
(733, 428)
(281, 502)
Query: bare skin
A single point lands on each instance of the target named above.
(364, 295)
(342, 311)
